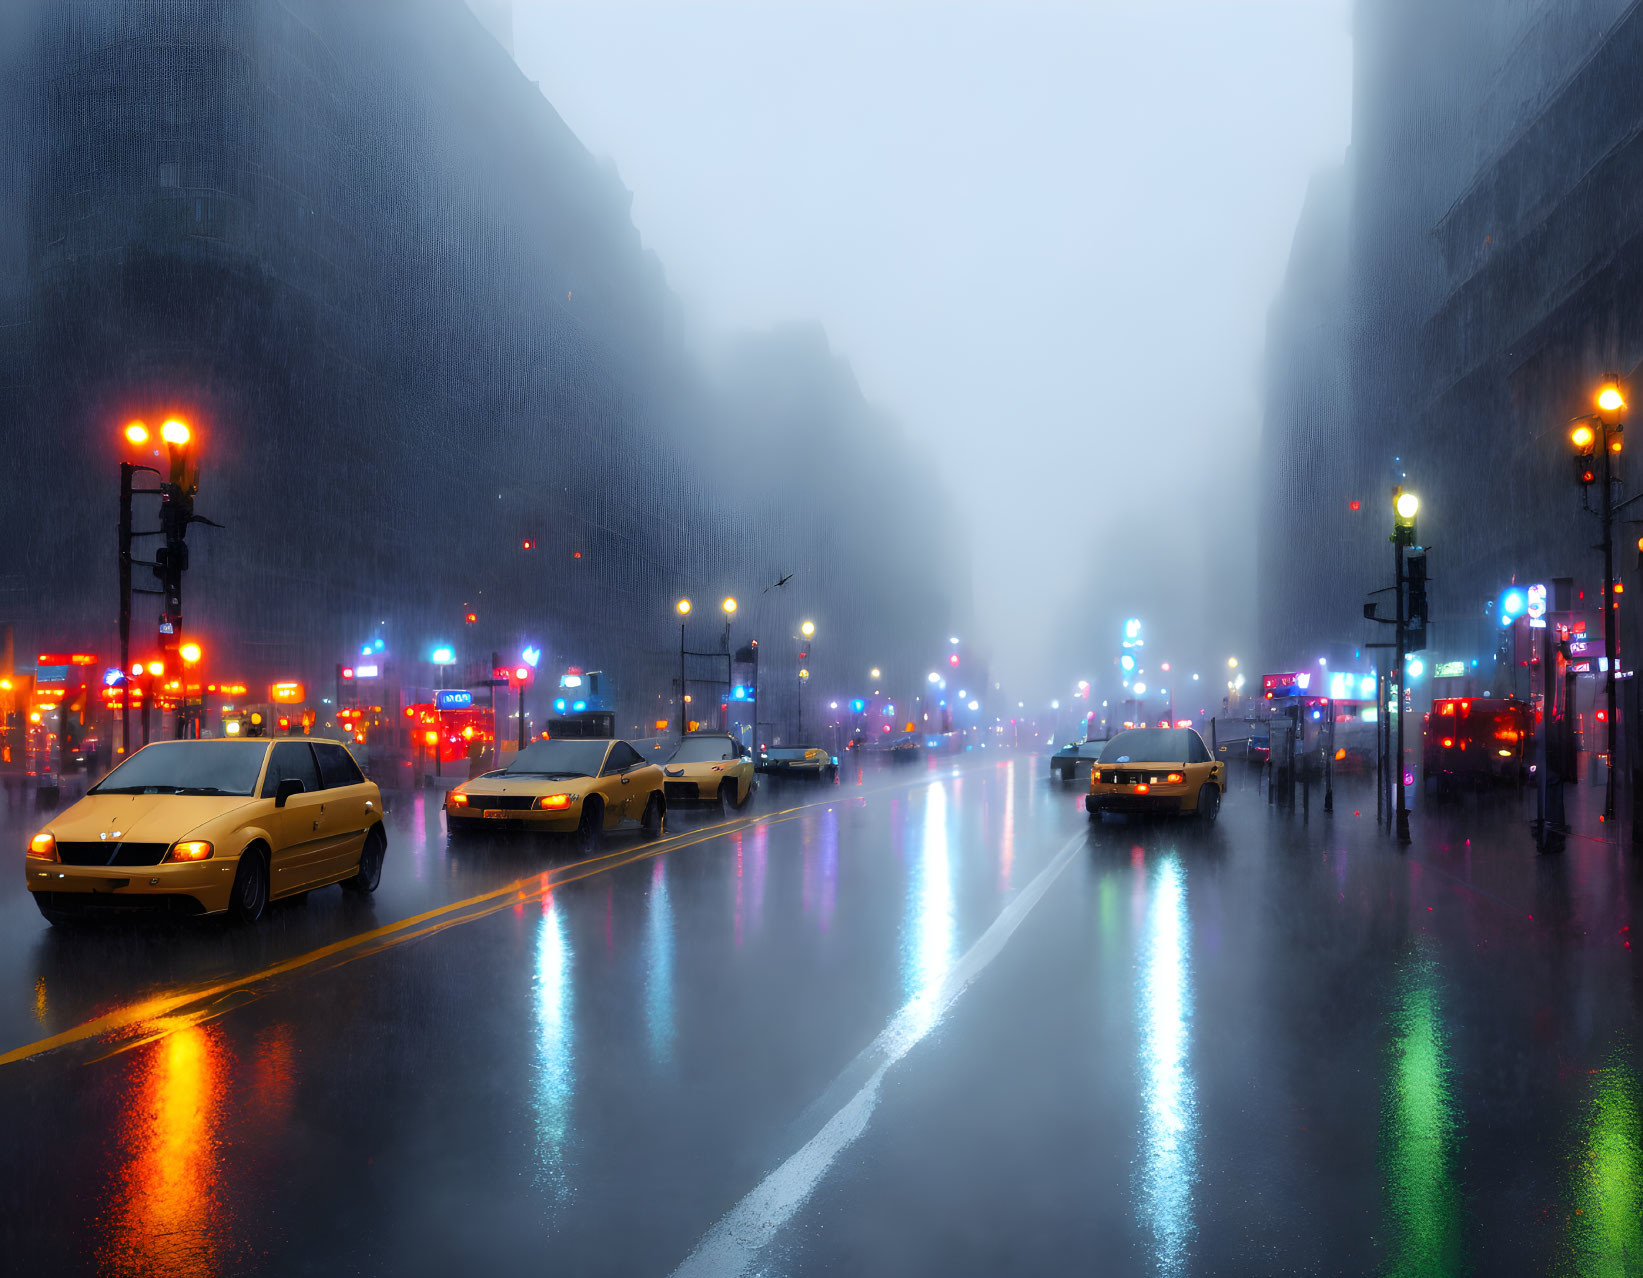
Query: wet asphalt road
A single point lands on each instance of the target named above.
(922, 1023)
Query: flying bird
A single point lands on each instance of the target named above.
(780, 581)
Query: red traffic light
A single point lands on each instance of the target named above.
(471, 617)
(1354, 505)
(347, 672)
(1602, 716)
(527, 544)
(522, 673)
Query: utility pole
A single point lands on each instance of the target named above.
(1610, 617)
(127, 469)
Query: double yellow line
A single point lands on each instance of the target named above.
(137, 1023)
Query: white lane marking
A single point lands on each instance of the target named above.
(733, 1245)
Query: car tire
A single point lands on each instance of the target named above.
(727, 799)
(654, 820)
(369, 873)
(1209, 803)
(590, 831)
(248, 898)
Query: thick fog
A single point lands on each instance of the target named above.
(1044, 237)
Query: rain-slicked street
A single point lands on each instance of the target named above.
(927, 1021)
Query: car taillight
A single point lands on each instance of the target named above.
(1449, 743)
(189, 850)
(554, 801)
(1174, 778)
(455, 800)
(43, 846)
(1142, 788)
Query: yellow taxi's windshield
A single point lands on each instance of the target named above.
(188, 767)
(561, 757)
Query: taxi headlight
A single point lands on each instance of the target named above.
(43, 846)
(189, 850)
(455, 800)
(1174, 778)
(554, 802)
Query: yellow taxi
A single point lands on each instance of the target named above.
(709, 767)
(1156, 770)
(207, 827)
(567, 785)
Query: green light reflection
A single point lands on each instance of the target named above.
(1418, 1136)
(1606, 1225)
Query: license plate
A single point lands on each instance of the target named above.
(493, 813)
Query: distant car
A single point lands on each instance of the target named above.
(1156, 770)
(1074, 757)
(210, 826)
(584, 786)
(810, 763)
(709, 767)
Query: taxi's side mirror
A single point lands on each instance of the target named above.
(285, 789)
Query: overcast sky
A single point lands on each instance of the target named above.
(1044, 235)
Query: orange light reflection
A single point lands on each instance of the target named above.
(168, 1215)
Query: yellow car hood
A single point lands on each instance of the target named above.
(142, 818)
(535, 786)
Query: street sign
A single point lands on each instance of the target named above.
(453, 699)
(1449, 670)
(289, 692)
(66, 659)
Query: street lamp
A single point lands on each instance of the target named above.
(874, 673)
(807, 628)
(1405, 506)
(1611, 405)
(683, 609)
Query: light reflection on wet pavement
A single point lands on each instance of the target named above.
(1277, 1046)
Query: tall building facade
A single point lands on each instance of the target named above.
(412, 321)
(1476, 284)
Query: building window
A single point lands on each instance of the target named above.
(168, 175)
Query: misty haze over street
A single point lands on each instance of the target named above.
(713, 638)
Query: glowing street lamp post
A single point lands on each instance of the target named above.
(683, 609)
(1404, 507)
(807, 631)
(1607, 439)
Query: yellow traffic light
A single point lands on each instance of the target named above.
(1582, 436)
(1407, 505)
(136, 433)
(189, 652)
(156, 668)
(175, 432)
(1609, 399)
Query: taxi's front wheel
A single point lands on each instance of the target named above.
(249, 896)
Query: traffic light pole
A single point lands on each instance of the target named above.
(521, 716)
(682, 707)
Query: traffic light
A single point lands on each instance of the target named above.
(1583, 440)
(1415, 630)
